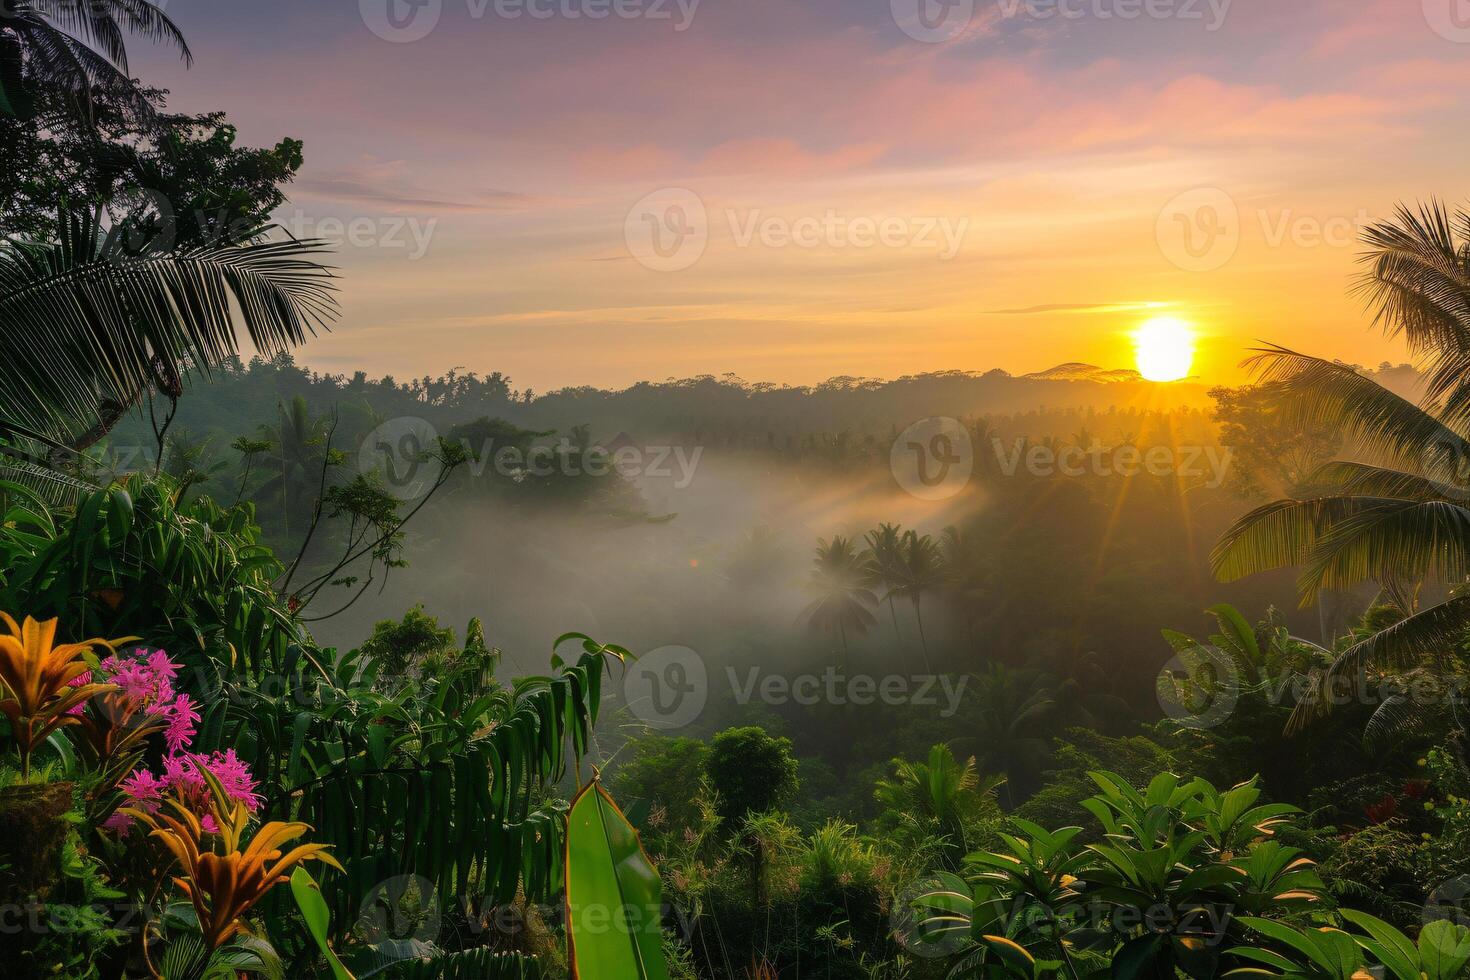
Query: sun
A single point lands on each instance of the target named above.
(1164, 348)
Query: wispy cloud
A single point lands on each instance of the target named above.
(1078, 308)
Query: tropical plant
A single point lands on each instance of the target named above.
(941, 800)
(609, 880)
(1160, 893)
(1442, 951)
(1396, 513)
(754, 771)
(76, 48)
(121, 317)
(967, 571)
(298, 457)
(43, 683)
(221, 881)
(190, 578)
(1009, 705)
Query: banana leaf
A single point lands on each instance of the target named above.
(613, 893)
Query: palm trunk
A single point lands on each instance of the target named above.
(919, 615)
(898, 637)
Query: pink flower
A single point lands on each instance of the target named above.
(143, 787)
(80, 680)
(183, 780)
(149, 682)
(182, 719)
(232, 773)
(163, 668)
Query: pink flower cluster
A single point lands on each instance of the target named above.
(183, 780)
(147, 682)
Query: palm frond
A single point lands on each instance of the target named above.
(1282, 533)
(90, 320)
(1399, 716)
(1317, 392)
(103, 23)
(1391, 540)
(1432, 632)
(1418, 281)
(1348, 477)
(77, 73)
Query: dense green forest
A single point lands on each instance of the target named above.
(958, 675)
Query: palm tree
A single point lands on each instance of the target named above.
(1398, 513)
(922, 571)
(843, 604)
(248, 449)
(884, 560)
(93, 324)
(75, 48)
(298, 448)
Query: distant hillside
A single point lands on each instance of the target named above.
(1077, 371)
(239, 397)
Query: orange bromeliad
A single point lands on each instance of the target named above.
(223, 886)
(36, 676)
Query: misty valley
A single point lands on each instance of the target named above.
(785, 490)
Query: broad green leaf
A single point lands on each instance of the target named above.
(318, 919)
(614, 897)
(1393, 948)
(1444, 949)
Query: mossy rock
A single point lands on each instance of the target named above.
(33, 828)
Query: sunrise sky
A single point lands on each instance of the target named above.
(796, 190)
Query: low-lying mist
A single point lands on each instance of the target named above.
(725, 574)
